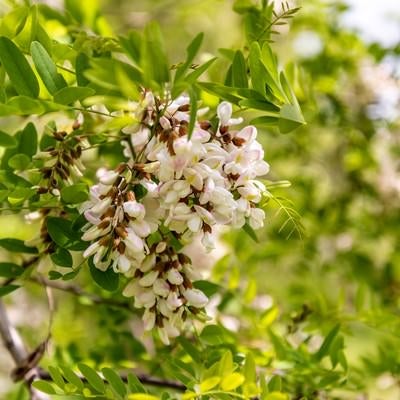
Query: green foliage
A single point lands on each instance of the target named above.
(18, 69)
(307, 308)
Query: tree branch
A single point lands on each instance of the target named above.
(15, 346)
(78, 291)
(25, 264)
(143, 378)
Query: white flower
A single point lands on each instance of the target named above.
(148, 263)
(224, 112)
(149, 319)
(148, 279)
(108, 177)
(102, 206)
(161, 247)
(256, 219)
(173, 302)
(134, 209)
(133, 242)
(174, 276)
(140, 227)
(195, 297)
(163, 336)
(92, 249)
(132, 289)
(121, 264)
(161, 288)
(145, 299)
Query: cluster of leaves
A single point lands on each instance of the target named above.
(216, 370)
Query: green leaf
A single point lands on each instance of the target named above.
(28, 140)
(20, 194)
(239, 71)
(232, 381)
(276, 396)
(250, 231)
(242, 6)
(249, 369)
(10, 270)
(25, 105)
(75, 193)
(62, 258)
(71, 94)
(142, 396)
(191, 51)
(81, 65)
(92, 377)
(7, 140)
(193, 76)
(107, 280)
(291, 115)
(134, 384)
(17, 246)
(215, 335)
(115, 381)
(154, 61)
(208, 288)
(44, 387)
(190, 349)
(56, 376)
(264, 121)
(47, 68)
(13, 22)
(275, 384)
(18, 69)
(224, 92)
(225, 365)
(62, 233)
(19, 162)
(269, 108)
(55, 275)
(209, 384)
(5, 290)
(290, 118)
(72, 378)
(257, 69)
(326, 344)
(193, 111)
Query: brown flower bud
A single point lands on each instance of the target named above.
(238, 141)
(205, 125)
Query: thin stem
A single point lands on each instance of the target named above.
(284, 14)
(143, 378)
(78, 291)
(26, 264)
(30, 208)
(85, 110)
(65, 69)
(233, 394)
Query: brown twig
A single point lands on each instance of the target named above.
(25, 264)
(15, 346)
(78, 291)
(143, 378)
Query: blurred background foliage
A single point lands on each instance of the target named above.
(283, 295)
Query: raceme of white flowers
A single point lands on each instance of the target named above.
(171, 190)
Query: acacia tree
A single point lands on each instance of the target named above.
(125, 163)
(176, 170)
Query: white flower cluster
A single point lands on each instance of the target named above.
(172, 189)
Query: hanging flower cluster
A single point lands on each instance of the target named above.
(171, 190)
